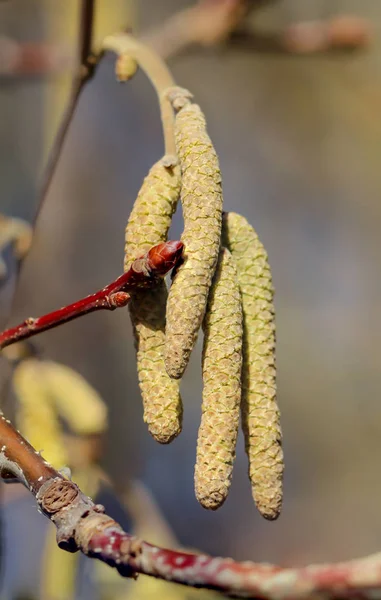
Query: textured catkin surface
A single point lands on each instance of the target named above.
(221, 366)
(260, 413)
(201, 196)
(152, 212)
(148, 225)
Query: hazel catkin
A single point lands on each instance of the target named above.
(201, 197)
(147, 226)
(125, 67)
(260, 413)
(221, 366)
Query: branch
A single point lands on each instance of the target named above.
(86, 67)
(207, 23)
(210, 23)
(83, 525)
(143, 273)
(87, 63)
(157, 72)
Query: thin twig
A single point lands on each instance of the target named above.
(83, 525)
(58, 143)
(87, 63)
(143, 273)
(206, 23)
(157, 72)
(86, 68)
(86, 32)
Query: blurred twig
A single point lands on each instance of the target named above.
(87, 62)
(85, 70)
(208, 23)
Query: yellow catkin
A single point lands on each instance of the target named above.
(201, 196)
(125, 67)
(260, 413)
(148, 225)
(36, 414)
(48, 392)
(222, 366)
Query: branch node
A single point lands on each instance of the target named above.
(169, 161)
(58, 495)
(119, 299)
(178, 97)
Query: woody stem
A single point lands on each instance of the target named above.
(143, 273)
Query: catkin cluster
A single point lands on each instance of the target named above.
(222, 284)
(147, 226)
(260, 413)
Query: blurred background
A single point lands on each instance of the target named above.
(297, 127)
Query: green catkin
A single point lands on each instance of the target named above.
(260, 413)
(147, 226)
(222, 366)
(201, 196)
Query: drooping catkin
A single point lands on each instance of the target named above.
(260, 413)
(222, 366)
(201, 196)
(147, 226)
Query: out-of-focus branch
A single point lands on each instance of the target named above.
(143, 273)
(339, 32)
(86, 63)
(85, 71)
(33, 59)
(209, 22)
(157, 72)
(84, 526)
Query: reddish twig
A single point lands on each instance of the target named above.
(144, 272)
(83, 525)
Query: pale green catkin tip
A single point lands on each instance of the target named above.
(260, 413)
(148, 225)
(222, 367)
(201, 197)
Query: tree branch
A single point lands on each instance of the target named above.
(143, 273)
(206, 23)
(83, 525)
(87, 63)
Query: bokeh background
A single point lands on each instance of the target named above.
(299, 140)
